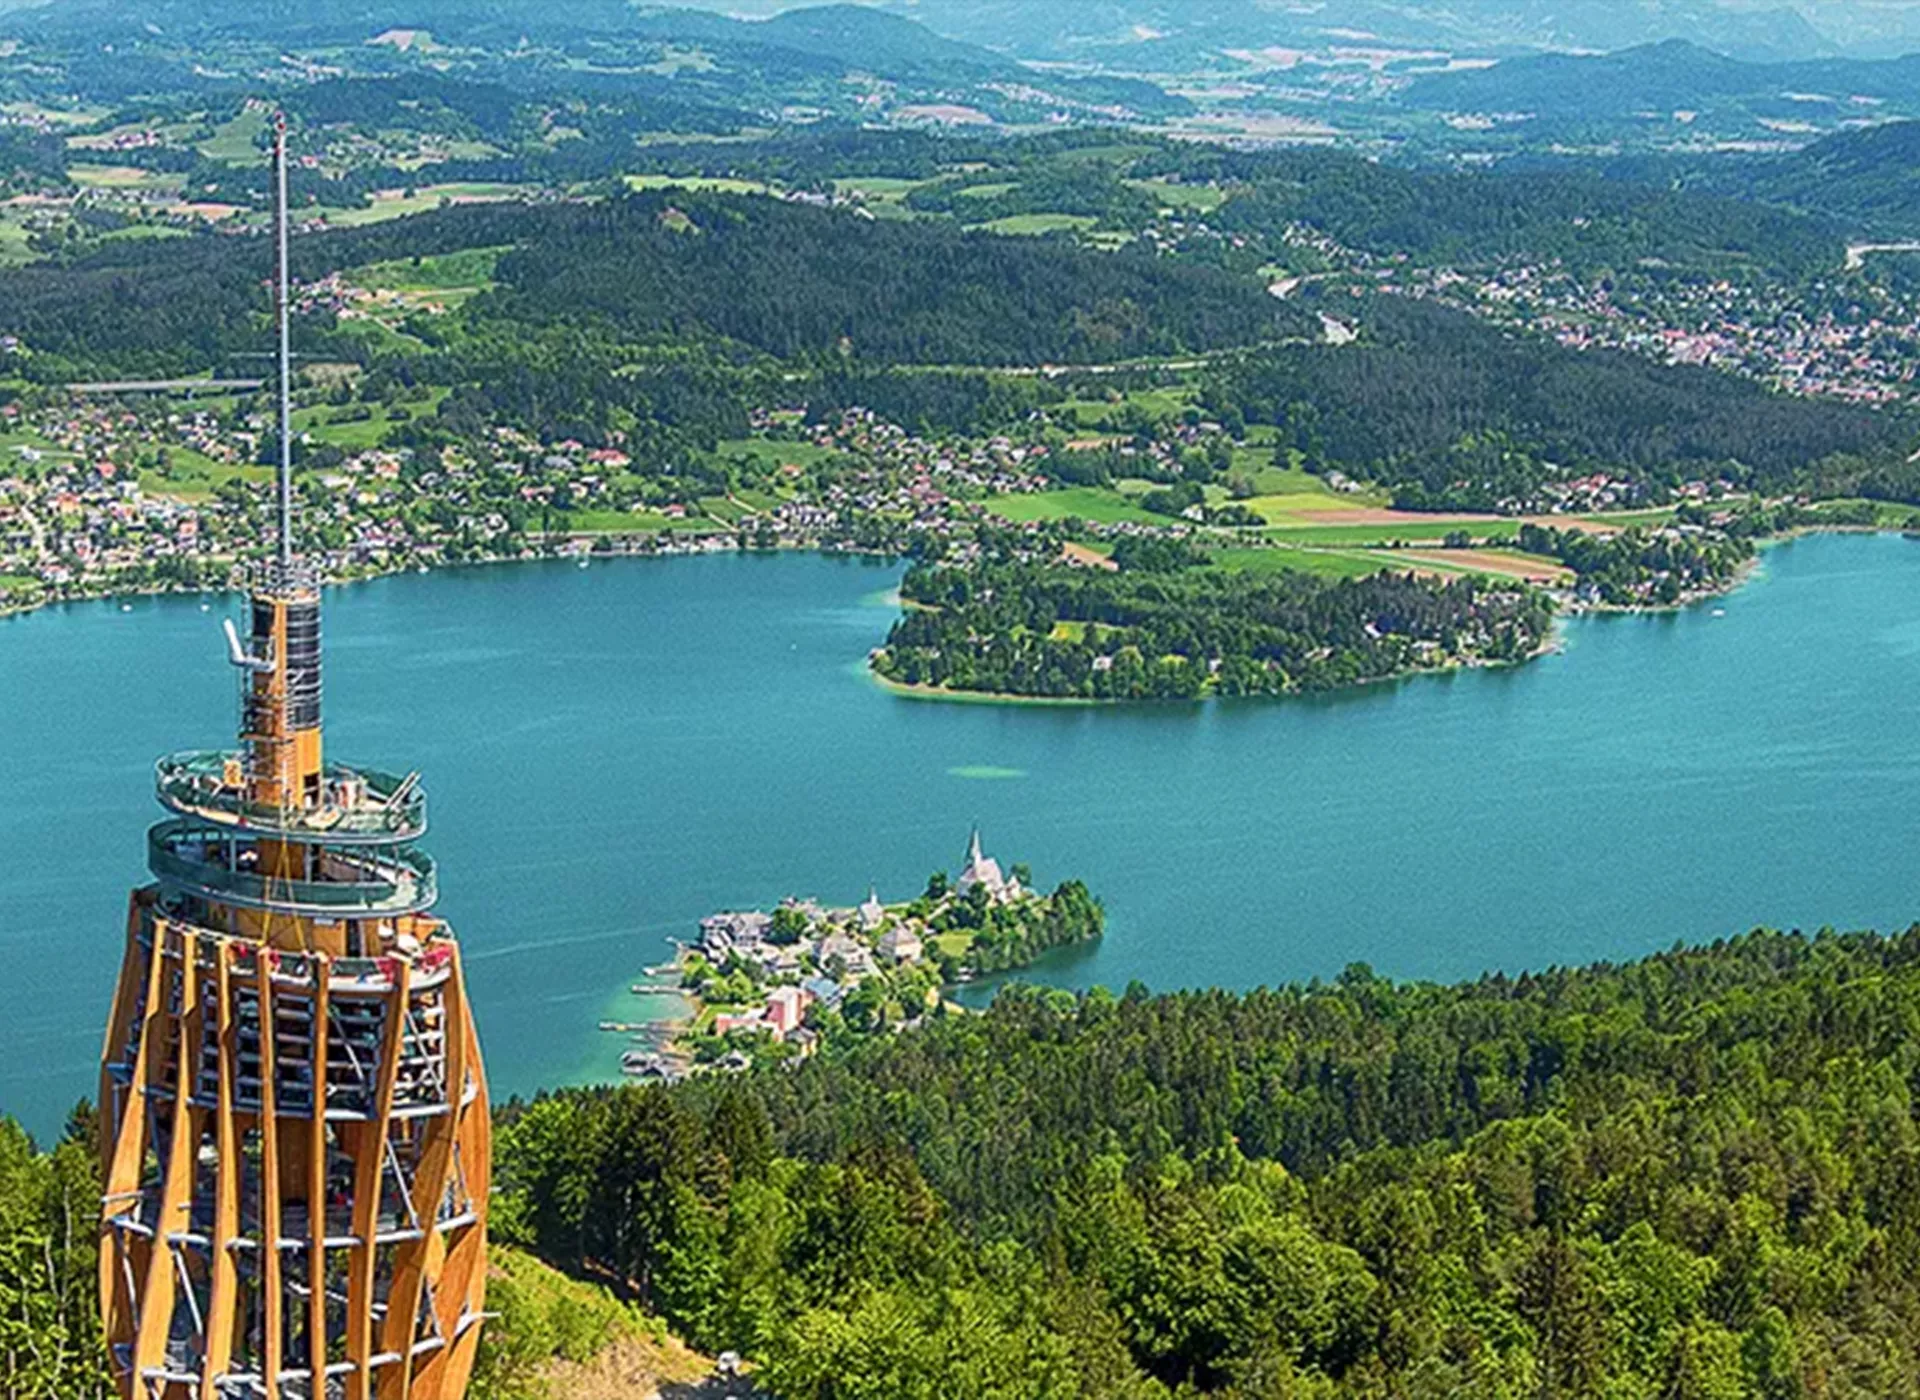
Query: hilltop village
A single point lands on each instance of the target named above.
(774, 986)
(1851, 343)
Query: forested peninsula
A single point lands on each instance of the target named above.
(1696, 1175)
(1028, 629)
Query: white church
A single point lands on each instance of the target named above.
(982, 869)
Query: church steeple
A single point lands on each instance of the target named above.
(983, 870)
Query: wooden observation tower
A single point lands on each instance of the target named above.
(294, 1115)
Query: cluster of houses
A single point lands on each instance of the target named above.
(882, 471)
(64, 520)
(1757, 329)
(810, 955)
(1760, 331)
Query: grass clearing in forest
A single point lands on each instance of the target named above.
(1031, 225)
(194, 476)
(770, 453)
(1158, 405)
(31, 112)
(14, 248)
(396, 204)
(1281, 559)
(124, 177)
(591, 1343)
(878, 189)
(704, 184)
(345, 426)
(469, 269)
(1203, 199)
(237, 142)
(1095, 503)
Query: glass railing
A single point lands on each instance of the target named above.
(356, 804)
(198, 859)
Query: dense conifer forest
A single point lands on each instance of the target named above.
(1457, 414)
(791, 281)
(755, 276)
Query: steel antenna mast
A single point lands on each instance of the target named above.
(282, 298)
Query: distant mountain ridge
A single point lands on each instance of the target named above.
(1121, 35)
(1140, 34)
(1673, 74)
(487, 39)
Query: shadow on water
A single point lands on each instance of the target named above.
(1059, 967)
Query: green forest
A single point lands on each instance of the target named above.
(1455, 414)
(1153, 634)
(1692, 1176)
(668, 316)
(676, 268)
(792, 281)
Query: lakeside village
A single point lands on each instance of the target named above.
(772, 987)
(104, 496)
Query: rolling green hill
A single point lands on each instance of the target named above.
(1870, 177)
(1696, 1175)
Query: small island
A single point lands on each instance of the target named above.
(771, 987)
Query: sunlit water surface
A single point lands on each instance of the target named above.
(612, 752)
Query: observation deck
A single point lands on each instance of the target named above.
(211, 862)
(357, 806)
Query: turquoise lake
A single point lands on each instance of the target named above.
(612, 752)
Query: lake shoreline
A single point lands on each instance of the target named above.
(236, 581)
(236, 584)
(1234, 844)
(1549, 644)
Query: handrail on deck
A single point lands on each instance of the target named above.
(187, 854)
(358, 804)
